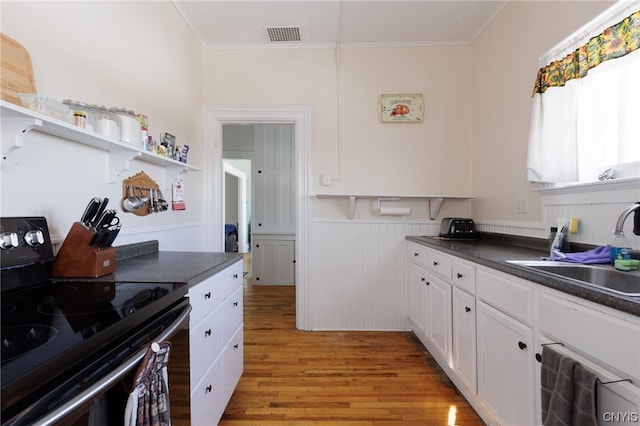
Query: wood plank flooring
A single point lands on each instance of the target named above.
(294, 377)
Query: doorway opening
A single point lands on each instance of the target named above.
(214, 116)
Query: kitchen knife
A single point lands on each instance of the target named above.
(107, 219)
(90, 211)
(99, 237)
(108, 240)
(96, 217)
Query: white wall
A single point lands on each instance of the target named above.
(504, 64)
(139, 55)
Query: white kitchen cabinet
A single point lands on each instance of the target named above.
(419, 299)
(464, 337)
(215, 343)
(505, 344)
(439, 316)
(417, 258)
(505, 366)
(272, 259)
(604, 341)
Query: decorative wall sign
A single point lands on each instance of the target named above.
(401, 108)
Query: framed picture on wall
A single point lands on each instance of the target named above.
(401, 108)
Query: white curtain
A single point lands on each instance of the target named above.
(589, 124)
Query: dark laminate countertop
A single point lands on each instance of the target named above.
(494, 251)
(143, 262)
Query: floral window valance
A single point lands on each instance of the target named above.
(614, 42)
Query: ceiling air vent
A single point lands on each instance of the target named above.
(283, 34)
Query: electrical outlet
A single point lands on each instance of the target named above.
(521, 206)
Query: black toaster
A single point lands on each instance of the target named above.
(458, 227)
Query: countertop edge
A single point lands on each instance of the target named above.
(628, 304)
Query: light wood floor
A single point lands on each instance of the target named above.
(295, 377)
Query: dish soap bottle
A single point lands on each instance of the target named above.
(620, 248)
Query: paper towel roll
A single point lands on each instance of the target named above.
(394, 211)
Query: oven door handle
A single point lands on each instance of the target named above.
(105, 383)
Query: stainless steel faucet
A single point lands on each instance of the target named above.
(623, 216)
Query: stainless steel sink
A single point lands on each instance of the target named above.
(605, 277)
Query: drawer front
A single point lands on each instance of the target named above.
(205, 344)
(232, 313)
(609, 339)
(506, 294)
(233, 360)
(440, 263)
(418, 254)
(232, 278)
(463, 276)
(204, 297)
(207, 397)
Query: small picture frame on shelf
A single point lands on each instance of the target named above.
(401, 108)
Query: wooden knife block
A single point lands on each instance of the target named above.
(77, 259)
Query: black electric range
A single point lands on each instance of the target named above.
(61, 335)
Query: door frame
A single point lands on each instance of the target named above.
(242, 203)
(214, 116)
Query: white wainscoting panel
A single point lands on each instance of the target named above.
(183, 237)
(358, 274)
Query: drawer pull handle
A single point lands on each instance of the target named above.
(423, 278)
(235, 276)
(539, 357)
(415, 254)
(207, 295)
(207, 333)
(522, 345)
(236, 346)
(208, 389)
(427, 283)
(467, 309)
(235, 304)
(435, 263)
(459, 275)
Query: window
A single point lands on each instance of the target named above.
(586, 105)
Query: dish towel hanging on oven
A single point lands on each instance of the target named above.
(568, 391)
(148, 403)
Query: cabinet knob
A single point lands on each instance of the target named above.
(235, 304)
(236, 346)
(207, 295)
(207, 333)
(467, 309)
(415, 254)
(522, 345)
(235, 276)
(459, 275)
(427, 283)
(423, 279)
(208, 389)
(435, 263)
(539, 357)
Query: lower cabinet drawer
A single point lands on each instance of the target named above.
(233, 310)
(207, 398)
(205, 344)
(233, 361)
(507, 294)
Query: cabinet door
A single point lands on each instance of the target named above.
(505, 366)
(439, 314)
(274, 180)
(464, 338)
(272, 262)
(419, 299)
(207, 397)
